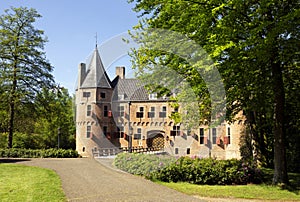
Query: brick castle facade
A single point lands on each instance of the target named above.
(120, 114)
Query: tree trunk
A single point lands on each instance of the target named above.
(11, 124)
(280, 167)
(12, 107)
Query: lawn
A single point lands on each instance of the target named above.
(264, 191)
(25, 183)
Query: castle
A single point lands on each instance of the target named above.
(121, 114)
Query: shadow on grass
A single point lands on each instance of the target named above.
(294, 180)
(12, 160)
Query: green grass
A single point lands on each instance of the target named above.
(264, 191)
(25, 183)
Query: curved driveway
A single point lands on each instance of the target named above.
(85, 179)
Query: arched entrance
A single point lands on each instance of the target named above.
(155, 140)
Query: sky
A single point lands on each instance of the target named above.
(71, 27)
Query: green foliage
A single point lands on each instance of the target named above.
(24, 69)
(255, 46)
(38, 153)
(185, 169)
(209, 171)
(141, 164)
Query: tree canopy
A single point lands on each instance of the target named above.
(27, 85)
(255, 46)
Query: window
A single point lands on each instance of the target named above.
(121, 97)
(214, 135)
(151, 114)
(105, 130)
(228, 135)
(102, 95)
(153, 96)
(121, 131)
(138, 134)
(176, 150)
(86, 94)
(88, 131)
(163, 113)
(105, 111)
(140, 114)
(201, 135)
(176, 131)
(89, 110)
(188, 151)
(121, 111)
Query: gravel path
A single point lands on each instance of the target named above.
(85, 179)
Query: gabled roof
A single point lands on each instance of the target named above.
(96, 75)
(131, 89)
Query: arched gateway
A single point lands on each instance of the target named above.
(156, 139)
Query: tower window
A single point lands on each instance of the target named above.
(104, 130)
(102, 95)
(105, 111)
(86, 94)
(89, 110)
(88, 131)
(188, 151)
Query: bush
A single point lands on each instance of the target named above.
(142, 164)
(38, 153)
(209, 171)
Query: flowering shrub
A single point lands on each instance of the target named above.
(185, 169)
(142, 164)
(209, 171)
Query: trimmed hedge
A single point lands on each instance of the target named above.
(209, 171)
(38, 153)
(193, 170)
(142, 164)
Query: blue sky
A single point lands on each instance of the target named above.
(71, 27)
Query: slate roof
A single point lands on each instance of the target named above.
(130, 89)
(96, 75)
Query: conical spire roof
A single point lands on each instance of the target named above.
(96, 76)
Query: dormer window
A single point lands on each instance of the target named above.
(153, 96)
(121, 97)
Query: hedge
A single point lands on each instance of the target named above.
(186, 169)
(38, 153)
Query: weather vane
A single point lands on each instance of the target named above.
(96, 39)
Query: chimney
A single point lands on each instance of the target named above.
(120, 71)
(81, 73)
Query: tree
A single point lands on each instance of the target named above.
(253, 44)
(24, 68)
(55, 109)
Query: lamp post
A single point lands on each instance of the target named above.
(129, 130)
(58, 137)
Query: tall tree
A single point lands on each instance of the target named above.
(253, 43)
(24, 68)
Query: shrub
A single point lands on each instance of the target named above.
(38, 153)
(209, 171)
(142, 164)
